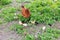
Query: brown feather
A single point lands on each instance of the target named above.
(25, 13)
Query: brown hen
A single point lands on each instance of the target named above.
(25, 12)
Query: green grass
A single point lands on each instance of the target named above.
(18, 28)
(49, 34)
(1, 6)
(8, 14)
(4, 2)
(1, 21)
(19, 1)
(44, 11)
(29, 37)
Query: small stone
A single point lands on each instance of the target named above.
(43, 28)
(25, 24)
(20, 23)
(36, 36)
(15, 14)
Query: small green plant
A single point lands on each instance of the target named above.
(23, 1)
(18, 1)
(29, 37)
(9, 10)
(1, 22)
(1, 6)
(4, 2)
(55, 32)
(9, 17)
(49, 34)
(8, 14)
(18, 28)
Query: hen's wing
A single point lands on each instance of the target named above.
(27, 13)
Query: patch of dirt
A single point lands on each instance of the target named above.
(35, 29)
(56, 24)
(7, 34)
